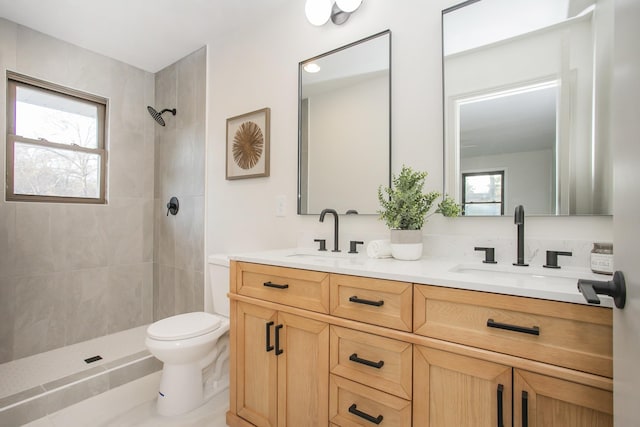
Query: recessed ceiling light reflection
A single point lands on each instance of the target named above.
(311, 67)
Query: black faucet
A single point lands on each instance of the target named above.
(518, 219)
(335, 226)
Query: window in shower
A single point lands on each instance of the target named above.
(55, 143)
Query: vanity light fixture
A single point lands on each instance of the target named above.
(319, 11)
(311, 67)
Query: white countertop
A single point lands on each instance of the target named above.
(532, 281)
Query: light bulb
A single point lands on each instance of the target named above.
(317, 11)
(348, 5)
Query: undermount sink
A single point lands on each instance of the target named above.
(538, 277)
(315, 255)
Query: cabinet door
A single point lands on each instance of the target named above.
(543, 401)
(303, 372)
(453, 390)
(257, 370)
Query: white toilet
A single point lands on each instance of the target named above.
(194, 348)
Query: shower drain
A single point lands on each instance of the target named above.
(93, 359)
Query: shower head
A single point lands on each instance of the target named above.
(158, 116)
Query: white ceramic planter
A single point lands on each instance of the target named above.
(406, 245)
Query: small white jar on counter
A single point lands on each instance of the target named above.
(602, 258)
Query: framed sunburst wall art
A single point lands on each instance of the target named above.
(248, 145)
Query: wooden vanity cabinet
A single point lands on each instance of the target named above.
(280, 365)
(541, 400)
(571, 340)
(282, 368)
(450, 357)
(454, 390)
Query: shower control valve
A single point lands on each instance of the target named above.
(173, 206)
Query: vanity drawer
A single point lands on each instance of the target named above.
(574, 336)
(350, 404)
(380, 362)
(380, 302)
(304, 289)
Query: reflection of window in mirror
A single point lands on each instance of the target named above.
(483, 193)
(491, 47)
(513, 129)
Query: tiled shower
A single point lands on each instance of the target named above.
(69, 272)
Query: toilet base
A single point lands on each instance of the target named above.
(180, 389)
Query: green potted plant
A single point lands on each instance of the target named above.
(405, 208)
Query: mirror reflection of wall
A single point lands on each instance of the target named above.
(526, 86)
(344, 129)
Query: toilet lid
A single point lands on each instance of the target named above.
(183, 326)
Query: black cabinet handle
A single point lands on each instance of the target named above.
(354, 358)
(535, 330)
(274, 285)
(268, 340)
(354, 411)
(525, 409)
(365, 301)
(500, 414)
(279, 351)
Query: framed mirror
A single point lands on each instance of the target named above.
(344, 127)
(526, 92)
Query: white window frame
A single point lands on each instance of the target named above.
(15, 80)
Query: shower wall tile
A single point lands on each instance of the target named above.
(148, 226)
(79, 237)
(156, 291)
(124, 298)
(166, 234)
(125, 227)
(7, 317)
(165, 88)
(34, 249)
(39, 323)
(197, 238)
(196, 184)
(147, 293)
(180, 172)
(186, 89)
(86, 313)
(184, 291)
(129, 165)
(198, 286)
(166, 292)
(189, 253)
(7, 239)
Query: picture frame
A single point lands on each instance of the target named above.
(247, 152)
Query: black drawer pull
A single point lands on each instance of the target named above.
(274, 285)
(354, 358)
(525, 409)
(354, 411)
(532, 331)
(365, 301)
(268, 340)
(279, 351)
(500, 414)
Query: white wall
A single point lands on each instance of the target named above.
(258, 67)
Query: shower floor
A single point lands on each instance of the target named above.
(34, 386)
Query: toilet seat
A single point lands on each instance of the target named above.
(183, 326)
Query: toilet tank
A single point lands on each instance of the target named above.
(218, 270)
